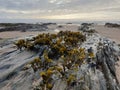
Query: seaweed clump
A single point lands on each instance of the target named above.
(61, 55)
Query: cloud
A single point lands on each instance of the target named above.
(87, 16)
(52, 1)
(61, 9)
(60, 1)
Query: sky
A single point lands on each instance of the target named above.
(89, 10)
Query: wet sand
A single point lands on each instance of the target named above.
(112, 33)
(14, 34)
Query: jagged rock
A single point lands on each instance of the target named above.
(105, 58)
(90, 80)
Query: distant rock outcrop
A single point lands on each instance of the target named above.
(23, 27)
(113, 25)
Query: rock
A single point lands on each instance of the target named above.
(105, 58)
(60, 85)
(97, 73)
(42, 49)
(27, 66)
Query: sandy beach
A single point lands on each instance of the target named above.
(112, 33)
(15, 34)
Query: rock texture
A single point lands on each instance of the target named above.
(98, 73)
(100, 77)
(106, 59)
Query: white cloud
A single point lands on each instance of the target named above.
(52, 1)
(60, 9)
(87, 16)
(60, 1)
(12, 11)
